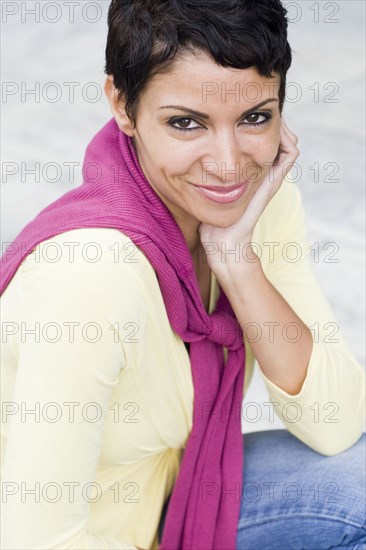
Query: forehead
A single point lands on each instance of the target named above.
(196, 77)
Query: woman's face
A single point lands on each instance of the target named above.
(231, 143)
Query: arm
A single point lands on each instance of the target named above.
(253, 298)
(302, 372)
(281, 342)
(57, 459)
(330, 405)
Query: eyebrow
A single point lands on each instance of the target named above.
(205, 116)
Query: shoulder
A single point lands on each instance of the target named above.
(88, 264)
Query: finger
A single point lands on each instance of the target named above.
(288, 141)
(289, 132)
(293, 136)
(288, 153)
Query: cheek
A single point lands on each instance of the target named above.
(269, 156)
(163, 167)
(270, 147)
(163, 156)
(265, 153)
(180, 159)
(263, 147)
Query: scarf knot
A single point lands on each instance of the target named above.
(225, 330)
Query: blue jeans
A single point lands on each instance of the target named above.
(294, 498)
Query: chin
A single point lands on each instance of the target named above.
(224, 220)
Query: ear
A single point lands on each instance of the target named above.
(117, 107)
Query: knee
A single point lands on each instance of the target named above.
(348, 469)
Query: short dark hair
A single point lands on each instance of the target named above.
(145, 37)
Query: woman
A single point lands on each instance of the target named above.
(126, 303)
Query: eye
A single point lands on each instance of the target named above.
(256, 119)
(183, 124)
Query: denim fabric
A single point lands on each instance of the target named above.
(294, 498)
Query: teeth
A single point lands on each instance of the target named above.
(223, 193)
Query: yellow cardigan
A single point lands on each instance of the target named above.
(97, 390)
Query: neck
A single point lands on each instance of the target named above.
(191, 235)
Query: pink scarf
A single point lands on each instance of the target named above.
(204, 506)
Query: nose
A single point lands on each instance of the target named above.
(224, 158)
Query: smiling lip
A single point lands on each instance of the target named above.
(222, 194)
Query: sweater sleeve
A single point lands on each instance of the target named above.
(69, 362)
(329, 411)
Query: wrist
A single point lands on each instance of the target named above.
(243, 279)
